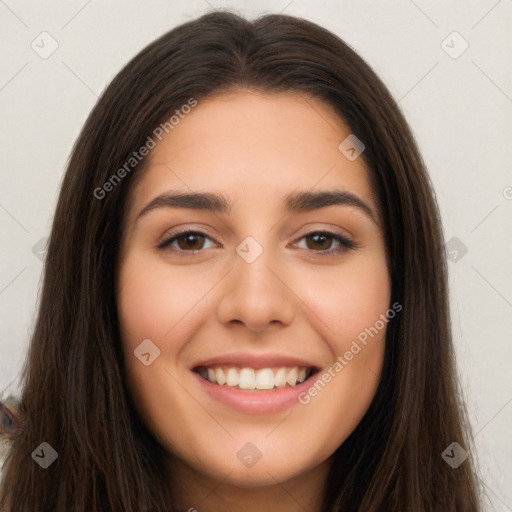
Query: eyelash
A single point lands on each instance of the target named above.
(345, 243)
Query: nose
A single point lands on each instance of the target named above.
(257, 295)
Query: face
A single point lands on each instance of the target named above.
(253, 289)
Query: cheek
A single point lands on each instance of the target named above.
(148, 305)
(148, 308)
(348, 299)
(350, 317)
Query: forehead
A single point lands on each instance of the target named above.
(254, 146)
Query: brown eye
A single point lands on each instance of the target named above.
(186, 241)
(319, 242)
(325, 243)
(190, 241)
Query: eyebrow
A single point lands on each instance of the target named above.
(295, 202)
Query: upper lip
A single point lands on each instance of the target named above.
(255, 360)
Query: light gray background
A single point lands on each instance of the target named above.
(460, 110)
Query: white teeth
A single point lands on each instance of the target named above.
(251, 379)
(247, 380)
(232, 377)
(280, 378)
(291, 377)
(220, 376)
(265, 379)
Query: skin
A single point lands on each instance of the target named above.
(254, 148)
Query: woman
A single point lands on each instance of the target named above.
(245, 302)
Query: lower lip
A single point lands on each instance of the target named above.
(255, 402)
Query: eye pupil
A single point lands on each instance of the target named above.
(320, 239)
(191, 241)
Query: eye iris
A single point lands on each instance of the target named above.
(320, 239)
(191, 241)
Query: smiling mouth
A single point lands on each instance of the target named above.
(251, 379)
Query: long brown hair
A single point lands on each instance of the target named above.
(74, 395)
